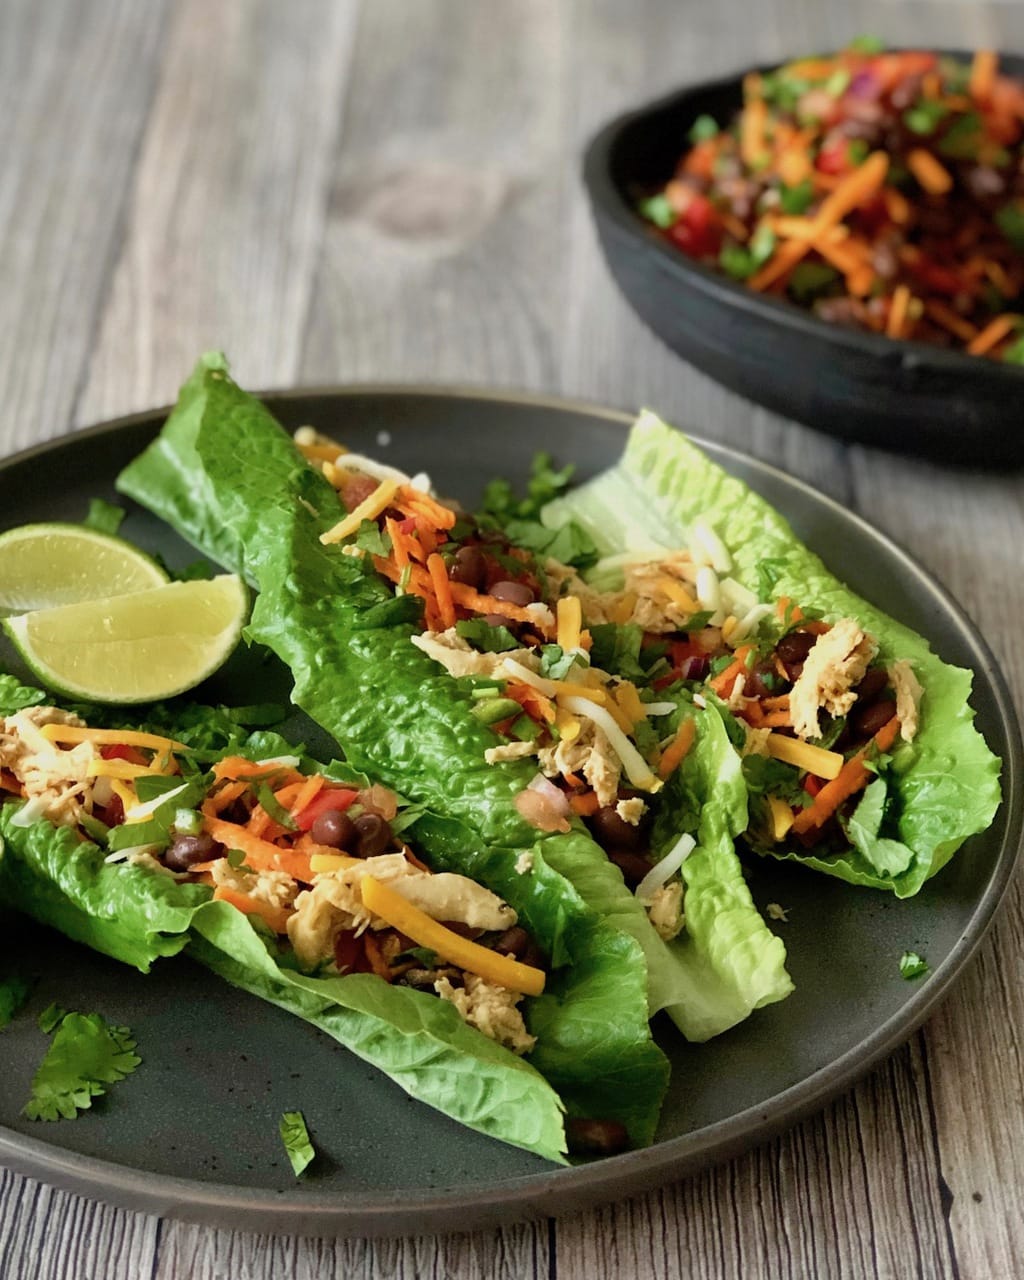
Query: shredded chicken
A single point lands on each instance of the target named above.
(835, 665)
(58, 779)
(631, 810)
(275, 888)
(524, 863)
(908, 697)
(490, 1009)
(756, 742)
(335, 903)
(509, 751)
(590, 753)
(665, 909)
(459, 658)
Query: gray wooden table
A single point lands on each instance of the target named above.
(338, 191)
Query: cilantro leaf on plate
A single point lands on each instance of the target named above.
(84, 1057)
(295, 1137)
(912, 965)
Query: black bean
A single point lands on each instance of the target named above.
(866, 721)
(469, 567)
(333, 828)
(514, 592)
(184, 850)
(498, 620)
(596, 1137)
(875, 680)
(513, 942)
(792, 651)
(634, 866)
(372, 835)
(611, 831)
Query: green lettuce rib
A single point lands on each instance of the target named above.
(402, 720)
(946, 780)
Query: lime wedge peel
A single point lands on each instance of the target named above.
(43, 566)
(140, 647)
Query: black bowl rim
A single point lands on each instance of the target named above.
(611, 201)
(380, 1214)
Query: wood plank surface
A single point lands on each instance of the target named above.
(343, 191)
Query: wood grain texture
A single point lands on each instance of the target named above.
(343, 191)
(228, 203)
(75, 86)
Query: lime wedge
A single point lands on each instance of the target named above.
(46, 565)
(134, 648)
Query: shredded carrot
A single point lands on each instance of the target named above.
(934, 177)
(776, 720)
(477, 602)
(949, 319)
(399, 549)
(752, 126)
(897, 206)
(725, 679)
(783, 260)
(220, 800)
(779, 703)
(438, 571)
(586, 805)
(375, 955)
(898, 311)
(259, 822)
(275, 917)
(816, 627)
(997, 274)
(994, 332)
(239, 767)
(734, 226)
(259, 854)
(309, 790)
(675, 752)
(851, 778)
(854, 190)
(424, 505)
(983, 74)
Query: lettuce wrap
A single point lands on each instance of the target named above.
(926, 793)
(137, 913)
(346, 636)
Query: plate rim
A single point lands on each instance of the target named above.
(380, 1213)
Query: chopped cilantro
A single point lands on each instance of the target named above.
(484, 637)
(545, 483)
(657, 209)
(13, 994)
(569, 544)
(556, 663)
(274, 808)
(797, 199)
(615, 648)
(811, 279)
(962, 137)
(1010, 221)
(703, 129)
(832, 734)
(769, 571)
(50, 1017)
(295, 1136)
(719, 664)
(373, 539)
(85, 1056)
(422, 955)
(766, 776)
(236, 859)
(912, 965)
(698, 621)
(104, 517)
(924, 116)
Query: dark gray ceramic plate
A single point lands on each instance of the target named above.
(193, 1133)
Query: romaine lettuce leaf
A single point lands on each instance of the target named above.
(946, 781)
(403, 720)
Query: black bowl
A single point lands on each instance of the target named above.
(863, 387)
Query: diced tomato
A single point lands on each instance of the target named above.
(835, 158)
(333, 799)
(118, 752)
(349, 954)
(356, 489)
(812, 785)
(698, 232)
(937, 277)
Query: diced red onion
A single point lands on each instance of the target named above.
(695, 668)
(866, 85)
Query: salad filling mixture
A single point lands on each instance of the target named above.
(881, 190)
(319, 865)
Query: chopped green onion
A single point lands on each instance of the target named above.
(657, 209)
(188, 822)
(703, 129)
